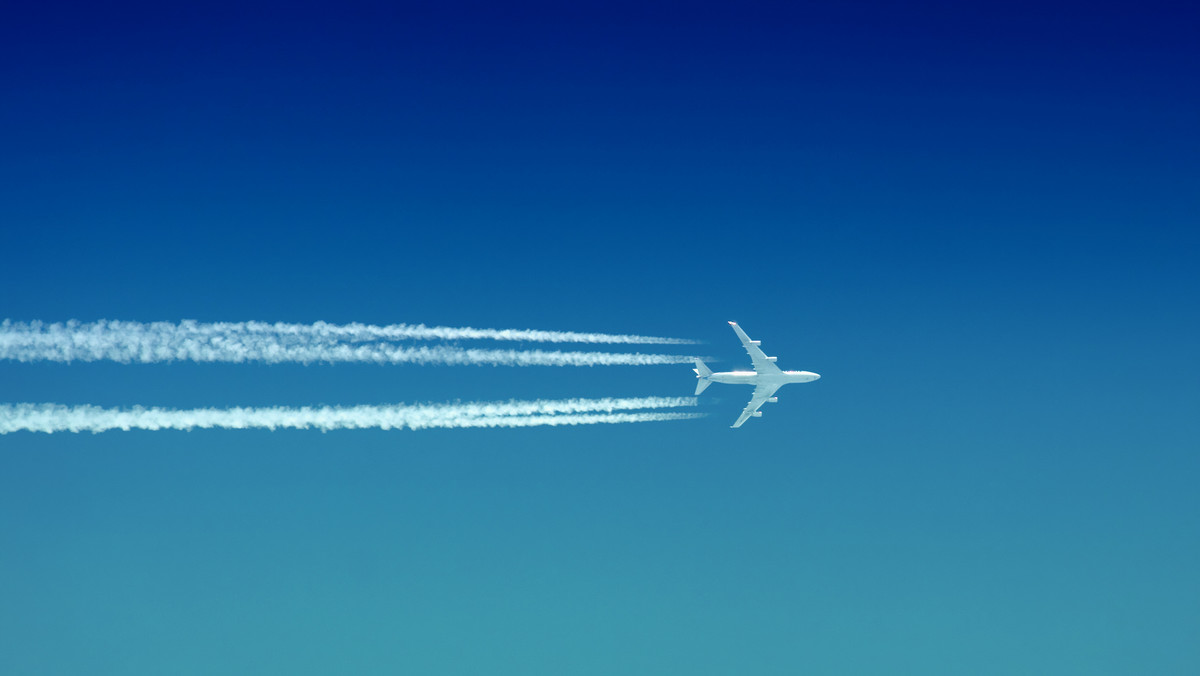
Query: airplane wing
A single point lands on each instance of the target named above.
(761, 394)
(762, 363)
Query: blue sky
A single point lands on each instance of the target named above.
(978, 224)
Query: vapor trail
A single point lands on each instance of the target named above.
(57, 418)
(323, 332)
(273, 343)
(356, 332)
(272, 352)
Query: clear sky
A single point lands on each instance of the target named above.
(979, 224)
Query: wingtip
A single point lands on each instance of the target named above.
(733, 323)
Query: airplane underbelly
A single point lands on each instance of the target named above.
(736, 378)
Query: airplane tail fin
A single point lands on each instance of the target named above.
(702, 373)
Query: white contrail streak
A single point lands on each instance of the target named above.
(128, 342)
(323, 331)
(57, 418)
(356, 332)
(272, 352)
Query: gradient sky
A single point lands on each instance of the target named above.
(978, 224)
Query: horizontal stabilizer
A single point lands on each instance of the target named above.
(702, 373)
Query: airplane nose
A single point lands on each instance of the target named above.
(816, 376)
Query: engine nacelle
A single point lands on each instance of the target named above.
(756, 342)
(756, 414)
(772, 400)
(772, 358)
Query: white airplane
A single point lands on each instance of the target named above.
(766, 377)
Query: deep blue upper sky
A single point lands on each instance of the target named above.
(978, 223)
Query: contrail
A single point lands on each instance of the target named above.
(324, 331)
(128, 342)
(57, 418)
(356, 332)
(272, 352)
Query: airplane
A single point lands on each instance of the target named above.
(766, 377)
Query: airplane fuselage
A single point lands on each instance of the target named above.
(754, 378)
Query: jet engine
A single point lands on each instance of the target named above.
(772, 400)
(756, 414)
